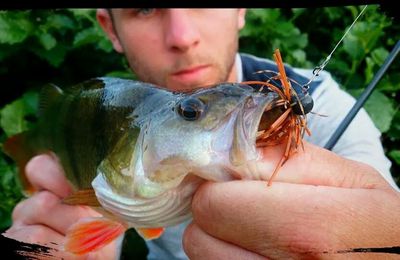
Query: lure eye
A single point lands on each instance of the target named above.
(191, 109)
(306, 102)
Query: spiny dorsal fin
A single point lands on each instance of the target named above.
(48, 95)
(83, 197)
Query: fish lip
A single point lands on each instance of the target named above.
(244, 149)
(254, 114)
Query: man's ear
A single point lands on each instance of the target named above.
(104, 18)
(241, 18)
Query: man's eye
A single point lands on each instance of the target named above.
(145, 11)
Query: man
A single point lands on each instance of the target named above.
(320, 203)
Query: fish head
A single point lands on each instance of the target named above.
(210, 133)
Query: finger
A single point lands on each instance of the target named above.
(45, 208)
(288, 220)
(317, 166)
(45, 173)
(41, 235)
(36, 234)
(199, 245)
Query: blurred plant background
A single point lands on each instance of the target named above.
(66, 46)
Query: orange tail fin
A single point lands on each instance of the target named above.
(92, 234)
(150, 233)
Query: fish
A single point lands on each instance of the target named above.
(137, 152)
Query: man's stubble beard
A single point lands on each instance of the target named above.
(145, 74)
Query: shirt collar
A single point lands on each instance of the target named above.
(239, 69)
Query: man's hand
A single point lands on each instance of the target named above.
(43, 218)
(319, 205)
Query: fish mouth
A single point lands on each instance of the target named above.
(262, 116)
(258, 113)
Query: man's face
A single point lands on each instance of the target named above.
(176, 48)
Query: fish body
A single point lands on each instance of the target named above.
(143, 150)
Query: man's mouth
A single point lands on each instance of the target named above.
(190, 74)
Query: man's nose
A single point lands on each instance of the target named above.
(181, 31)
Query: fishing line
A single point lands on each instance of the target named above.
(366, 93)
(319, 68)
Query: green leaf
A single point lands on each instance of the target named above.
(82, 12)
(390, 83)
(31, 99)
(47, 40)
(379, 55)
(89, 35)
(14, 27)
(369, 70)
(298, 11)
(300, 42)
(367, 33)
(332, 13)
(377, 58)
(7, 175)
(105, 45)
(59, 21)
(10, 192)
(299, 55)
(287, 29)
(12, 116)
(338, 65)
(381, 110)
(395, 155)
(353, 47)
(5, 220)
(394, 131)
(54, 56)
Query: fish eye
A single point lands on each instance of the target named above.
(191, 109)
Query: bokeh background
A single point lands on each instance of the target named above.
(66, 46)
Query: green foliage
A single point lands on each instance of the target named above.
(306, 37)
(269, 29)
(380, 107)
(395, 154)
(66, 46)
(62, 46)
(10, 193)
(14, 118)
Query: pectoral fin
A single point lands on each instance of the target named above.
(117, 166)
(82, 197)
(150, 233)
(91, 234)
